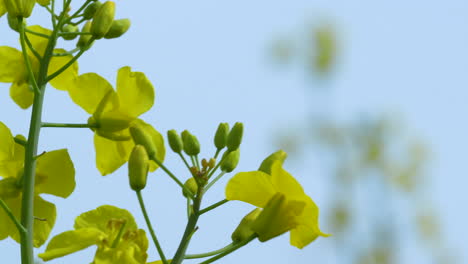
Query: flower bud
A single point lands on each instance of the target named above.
(141, 137)
(191, 144)
(221, 135)
(230, 160)
(102, 20)
(13, 22)
(235, 137)
(138, 166)
(19, 8)
(84, 39)
(69, 29)
(244, 229)
(268, 161)
(91, 10)
(191, 185)
(175, 142)
(118, 28)
(212, 163)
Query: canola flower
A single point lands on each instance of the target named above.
(113, 230)
(55, 175)
(13, 67)
(114, 112)
(285, 205)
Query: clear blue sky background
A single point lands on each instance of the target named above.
(209, 62)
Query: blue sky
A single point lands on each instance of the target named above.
(209, 62)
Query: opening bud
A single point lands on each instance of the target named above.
(118, 28)
(83, 41)
(230, 160)
(90, 11)
(175, 142)
(221, 135)
(192, 186)
(279, 155)
(235, 137)
(142, 137)
(244, 229)
(102, 20)
(19, 8)
(138, 166)
(69, 29)
(191, 144)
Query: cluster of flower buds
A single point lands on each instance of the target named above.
(19, 8)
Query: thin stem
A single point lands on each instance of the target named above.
(119, 235)
(189, 211)
(18, 225)
(33, 50)
(78, 22)
(21, 141)
(67, 53)
(213, 206)
(194, 163)
(52, 12)
(168, 172)
(214, 181)
(69, 63)
(150, 227)
(189, 229)
(80, 9)
(37, 33)
(197, 162)
(66, 125)
(232, 249)
(74, 33)
(31, 76)
(209, 254)
(217, 153)
(184, 160)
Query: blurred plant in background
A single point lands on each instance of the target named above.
(375, 169)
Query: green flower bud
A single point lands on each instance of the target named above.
(102, 20)
(138, 166)
(235, 137)
(69, 29)
(13, 22)
(191, 185)
(141, 137)
(268, 161)
(244, 229)
(175, 142)
(221, 135)
(230, 160)
(191, 144)
(19, 8)
(91, 10)
(118, 28)
(84, 39)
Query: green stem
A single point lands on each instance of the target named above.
(37, 33)
(197, 162)
(67, 53)
(69, 63)
(66, 125)
(229, 251)
(184, 160)
(189, 229)
(214, 181)
(168, 172)
(18, 225)
(119, 235)
(31, 76)
(211, 253)
(21, 141)
(150, 227)
(33, 50)
(213, 206)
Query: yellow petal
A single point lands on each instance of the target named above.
(7, 225)
(135, 90)
(278, 217)
(99, 218)
(21, 94)
(251, 187)
(110, 155)
(71, 241)
(45, 214)
(64, 80)
(11, 64)
(285, 183)
(55, 173)
(7, 143)
(88, 91)
(307, 229)
(12, 166)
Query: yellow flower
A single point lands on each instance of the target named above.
(285, 205)
(113, 112)
(55, 175)
(113, 230)
(13, 68)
